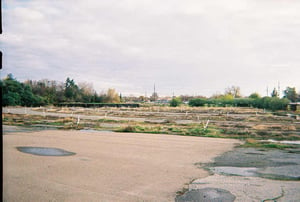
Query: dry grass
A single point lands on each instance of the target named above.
(275, 127)
(228, 122)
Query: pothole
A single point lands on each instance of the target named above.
(206, 195)
(45, 151)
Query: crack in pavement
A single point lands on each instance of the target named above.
(275, 198)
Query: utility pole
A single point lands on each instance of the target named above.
(154, 94)
(278, 89)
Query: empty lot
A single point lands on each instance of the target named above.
(106, 167)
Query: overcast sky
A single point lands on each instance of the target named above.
(195, 47)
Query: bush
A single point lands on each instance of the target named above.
(175, 102)
(272, 103)
(243, 102)
(198, 102)
(278, 104)
(198, 131)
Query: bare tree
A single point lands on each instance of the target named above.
(235, 91)
(112, 96)
(86, 88)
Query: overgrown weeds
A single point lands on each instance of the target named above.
(227, 122)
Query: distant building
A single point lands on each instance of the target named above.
(294, 106)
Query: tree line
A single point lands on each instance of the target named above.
(233, 98)
(49, 92)
(46, 92)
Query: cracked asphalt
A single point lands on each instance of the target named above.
(255, 174)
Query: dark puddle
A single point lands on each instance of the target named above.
(45, 151)
(206, 195)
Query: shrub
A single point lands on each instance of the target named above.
(272, 103)
(128, 129)
(198, 102)
(175, 102)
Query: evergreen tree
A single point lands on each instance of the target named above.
(17, 93)
(71, 90)
(274, 93)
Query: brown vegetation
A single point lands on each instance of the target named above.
(223, 122)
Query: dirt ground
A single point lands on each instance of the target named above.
(106, 167)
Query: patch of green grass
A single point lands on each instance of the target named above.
(139, 128)
(55, 123)
(276, 146)
(263, 133)
(267, 145)
(198, 131)
(127, 129)
(205, 132)
(156, 132)
(142, 129)
(175, 130)
(213, 135)
(6, 119)
(111, 121)
(182, 191)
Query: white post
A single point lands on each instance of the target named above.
(206, 125)
(78, 120)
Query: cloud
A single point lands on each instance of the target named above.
(185, 47)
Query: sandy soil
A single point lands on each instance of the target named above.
(106, 167)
